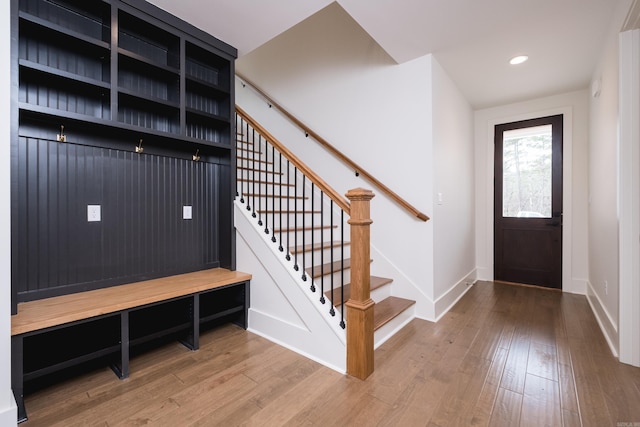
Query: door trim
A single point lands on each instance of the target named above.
(569, 284)
(549, 276)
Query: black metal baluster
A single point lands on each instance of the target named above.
(254, 214)
(332, 311)
(260, 193)
(273, 199)
(313, 222)
(238, 160)
(304, 202)
(242, 184)
(295, 219)
(263, 179)
(322, 300)
(244, 170)
(288, 215)
(280, 248)
(342, 324)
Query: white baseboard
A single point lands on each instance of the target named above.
(607, 324)
(577, 286)
(484, 273)
(446, 301)
(9, 415)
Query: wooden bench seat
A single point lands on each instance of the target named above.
(122, 317)
(44, 313)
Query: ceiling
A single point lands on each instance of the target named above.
(472, 39)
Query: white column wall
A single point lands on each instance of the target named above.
(574, 106)
(604, 256)
(629, 203)
(8, 413)
(453, 213)
(346, 88)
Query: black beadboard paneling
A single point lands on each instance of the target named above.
(142, 234)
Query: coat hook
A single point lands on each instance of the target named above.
(196, 157)
(61, 137)
(139, 148)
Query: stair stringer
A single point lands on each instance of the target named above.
(283, 309)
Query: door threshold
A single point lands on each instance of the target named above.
(526, 285)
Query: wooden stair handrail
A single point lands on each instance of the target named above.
(293, 159)
(308, 131)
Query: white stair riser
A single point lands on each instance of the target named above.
(377, 295)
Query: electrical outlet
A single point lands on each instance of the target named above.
(93, 213)
(606, 287)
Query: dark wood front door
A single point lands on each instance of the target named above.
(528, 202)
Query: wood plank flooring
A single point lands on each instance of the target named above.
(503, 356)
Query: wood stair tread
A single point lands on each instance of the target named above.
(387, 309)
(254, 160)
(308, 228)
(274, 196)
(375, 283)
(317, 246)
(259, 170)
(248, 150)
(286, 212)
(257, 181)
(330, 267)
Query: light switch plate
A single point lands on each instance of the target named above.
(187, 212)
(93, 213)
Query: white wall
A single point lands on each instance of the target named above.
(453, 214)
(604, 257)
(574, 106)
(336, 79)
(8, 414)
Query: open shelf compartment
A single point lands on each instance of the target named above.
(61, 52)
(169, 318)
(66, 346)
(91, 18)
(206, 67)
(64, 95)
(145, 113)
(150, 42)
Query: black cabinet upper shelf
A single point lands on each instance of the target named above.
(150, 42)
(125, 63)
(47, 70)
(80, 18)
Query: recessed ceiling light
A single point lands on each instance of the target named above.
(518, 59)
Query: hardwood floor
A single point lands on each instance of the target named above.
(503, 356)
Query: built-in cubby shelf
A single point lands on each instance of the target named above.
(56, 92)
(148, 41)
(148, 75)
(78, 18)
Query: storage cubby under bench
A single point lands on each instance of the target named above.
(52, 334)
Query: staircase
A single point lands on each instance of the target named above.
(306, 222)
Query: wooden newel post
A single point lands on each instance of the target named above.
(360, 304)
